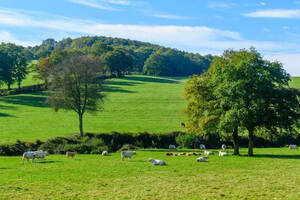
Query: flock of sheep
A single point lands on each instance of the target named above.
(128, 154)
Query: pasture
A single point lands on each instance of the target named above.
(273, 174)
(133, 104)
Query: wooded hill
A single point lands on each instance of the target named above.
(145, 57)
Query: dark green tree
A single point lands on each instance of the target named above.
(75, 85)
(118, 62)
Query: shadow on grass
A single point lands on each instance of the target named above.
(5, 115)
(34, 100)
(47, 161)
(151, 79)
(277, 156)
(116, 89)
(123, 83)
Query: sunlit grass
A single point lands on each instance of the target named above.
(273, 174)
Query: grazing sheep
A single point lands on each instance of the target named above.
(70, 154)
(223, 153)
(202, 147)
(171, 146)
(293, 146)
(157, 162)
(207, 153)
(223, 146)
(33, 155)
(127, 154)
(104, 153)
(202, 159)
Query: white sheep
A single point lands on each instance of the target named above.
(127, 154)
(223, 153)
(104, 153)
(202, 159)
(157, 162)
(207, 153)
(171, 146)
(293, 146)
(202, 147)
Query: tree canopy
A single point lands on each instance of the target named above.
(241, 89)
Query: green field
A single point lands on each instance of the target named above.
(272, 174)
(295, 82)
(133, 104)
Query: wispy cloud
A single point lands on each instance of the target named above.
(275, 13)
(95, 4)
(262, 3)
(119, 2)
(168, 16)
(220, 5)
(6, 36)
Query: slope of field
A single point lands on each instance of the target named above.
(295, 82)
(272, 174)
(133, 104)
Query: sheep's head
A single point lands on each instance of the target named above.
(150, 159)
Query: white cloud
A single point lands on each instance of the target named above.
(267, 30)
(220, 5)
(168, 16)
(119, 2)
(291, 62)
(275, 13)
(7, 37)
(286, 27)
(94, 4)
(189, 38)
(262, 3)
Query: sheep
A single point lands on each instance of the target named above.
(70, 154)
(223, 146)
(207, 153)
(104, 153)
(293, 146)
(202, 147)
(223, 153)
(169, 154)
(171, 146)
(34, 154)
(202, 159)
(157, 162)
(182, 124)
(127, 154)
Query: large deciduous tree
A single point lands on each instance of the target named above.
(75, 85)
(248, 92)
(118, 62)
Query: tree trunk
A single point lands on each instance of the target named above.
(8, 86)
(19, 85)
(251, 138)
(235, 137)
(80, 125)
(46, 83)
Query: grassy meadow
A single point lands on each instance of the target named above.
(133, 104)
(273, 174)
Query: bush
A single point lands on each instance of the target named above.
(128, 147)
(188, 141)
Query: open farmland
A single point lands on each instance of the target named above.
(133, 104)
(272, 174)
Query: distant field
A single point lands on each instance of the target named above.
(272, 174)
(295, 82)
(133, 104)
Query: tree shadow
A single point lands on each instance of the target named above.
(275, 156)
(34, 100)
(151, 79)
(116, 89)
(123, 83)
(5, 115)
(47, 161)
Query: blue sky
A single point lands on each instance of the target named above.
(204, 26)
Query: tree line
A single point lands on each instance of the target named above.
(144, 58)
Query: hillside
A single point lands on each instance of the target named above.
(133, 104)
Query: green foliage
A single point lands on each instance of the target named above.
(240, 89)
(188, 141)
(118, 62)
